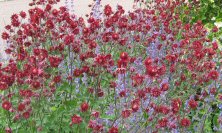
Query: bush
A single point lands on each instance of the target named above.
(142, 71)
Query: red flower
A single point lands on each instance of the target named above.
(148, 61)
(92, 45)
(8, 130)
(100, 93)
(95, 114)
(115, 36)
(164, 109)
(57, 79)
(215, 45)
(22, 14)
(107, 10)
(176, 104)
(5, 36)
(21, 107)
(77, 72)
(147, 89)
(3, 86)
(155, 92)
(197, 45)
(135, 104)
(213, 75)
(137, 79)
(25, 93)
(152, 71)
(35, 71)
(112, 84)
(185, 122)
(36, 84)
(54, 61)
(6, 105)
(122, 93)
(50, 24)
(84, 107)
(193, 104)
(90, 90)
(113, 130)
(98, 128)
(141, 93)
(68, 39)
(213, 91)
(26, 115)
(76, 119)
(163, 122)
(126, 113)
(100, 59)
(122, 63)
(85, 69)
(165, 87)
(124, 56)
(92, 124)
(215, 29)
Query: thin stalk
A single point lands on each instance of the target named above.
(60, 123)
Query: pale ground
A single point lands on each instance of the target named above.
(7, 8)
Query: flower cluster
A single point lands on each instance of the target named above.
(142, 71)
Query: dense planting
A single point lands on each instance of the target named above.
(142, 71)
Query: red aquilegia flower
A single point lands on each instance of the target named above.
(54, 61)
(6, 105)
(126, 113)
(108, 10)
(163, 122)
(3, 86)
(26, 114)
(113, 130)
(21, 107)
(213, 75)
(5, 36)
(84, 107)
(124, 56)
(95, 114)
(76, 119)
(185, 122)
(8, 130)
(193, 104)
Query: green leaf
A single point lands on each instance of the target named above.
(145, 115)
(53, 108)
(207, 126)
(72, 103)
(215, 121)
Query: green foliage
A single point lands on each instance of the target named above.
(209, 11)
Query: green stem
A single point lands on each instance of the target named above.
(9, 120)
(61, 119)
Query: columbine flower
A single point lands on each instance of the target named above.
(76, 119)
(185, 122)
